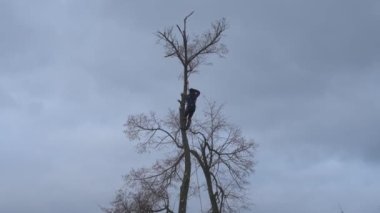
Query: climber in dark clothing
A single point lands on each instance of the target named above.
(190, 105)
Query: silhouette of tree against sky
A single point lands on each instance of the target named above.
(211, 144)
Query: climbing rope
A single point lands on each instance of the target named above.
(199, 191)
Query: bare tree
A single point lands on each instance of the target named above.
(191, 53)
(216, 147)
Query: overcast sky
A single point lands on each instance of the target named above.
(301, 79)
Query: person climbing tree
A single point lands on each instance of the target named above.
(190, 105)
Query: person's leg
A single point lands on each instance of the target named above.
(187, 111)
(190, 114)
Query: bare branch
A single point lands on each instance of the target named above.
(208, 43)
(152, 131)
(225, 156)
(190, 14)
(192, 54)
(165, 169)
(171, 44)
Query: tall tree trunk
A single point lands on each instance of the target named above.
(214, 204)
(206, 171)
(186, 148)
(186, 176)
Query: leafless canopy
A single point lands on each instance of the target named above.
(226, 159)
(191, 52)
(218, 148)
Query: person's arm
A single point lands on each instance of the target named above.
(197, 93)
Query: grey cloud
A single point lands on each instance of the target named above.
(301, 78)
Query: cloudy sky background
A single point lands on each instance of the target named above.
(301, 78)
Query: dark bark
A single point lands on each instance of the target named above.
(186, 149)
